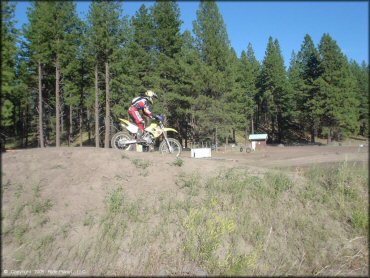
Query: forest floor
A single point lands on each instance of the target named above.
(94, 211)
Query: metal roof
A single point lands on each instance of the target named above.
(258, 137)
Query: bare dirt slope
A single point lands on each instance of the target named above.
(81, 175)
(77, 180)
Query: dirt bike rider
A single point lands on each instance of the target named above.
(143, 103)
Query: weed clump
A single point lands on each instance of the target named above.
(178, 162)
(141, 163)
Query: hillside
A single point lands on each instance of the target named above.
(88, 211)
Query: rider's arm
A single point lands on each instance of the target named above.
(148, 113)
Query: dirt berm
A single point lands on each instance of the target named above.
(95, 211)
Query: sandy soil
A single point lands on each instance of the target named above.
(78, 179)
(82, 175)
(272, 157)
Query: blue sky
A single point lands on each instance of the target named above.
(289, 22)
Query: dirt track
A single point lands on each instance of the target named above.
(84, 171)
(296, 156)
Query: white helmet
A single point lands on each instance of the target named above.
(150, 95)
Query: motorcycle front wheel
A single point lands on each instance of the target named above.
(119, 139)
(174, 144)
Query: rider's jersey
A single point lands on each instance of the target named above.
(142, 103)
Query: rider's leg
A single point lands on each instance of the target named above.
(135, 115)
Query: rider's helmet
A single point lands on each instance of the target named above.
(150, 95)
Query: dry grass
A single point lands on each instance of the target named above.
(235, 223)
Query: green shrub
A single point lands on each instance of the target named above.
(178, 162)
(360, 221)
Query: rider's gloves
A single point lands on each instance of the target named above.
(159, 118)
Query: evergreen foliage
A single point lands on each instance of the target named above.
(275, 95)
(9, 36)
(63, 78)
(337, 104)
(303, 73)
(361, 75)
(106, 39)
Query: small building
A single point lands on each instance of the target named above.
(258, 141)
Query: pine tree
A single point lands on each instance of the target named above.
(236, 99)
(168, 42)
(190, 66)
(297, 84)
(275, 96)
(249, 69)
(53, 37)
(9, 36)
(105, 30)
(74, 73)
(167, 25)
(63, 47)
(25, 94)
(308, 59)
(138, 59)
(211, 35)
(337, 104)
(40, 54)
(214, 46)
(361, 75)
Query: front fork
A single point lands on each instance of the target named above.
(165, 138)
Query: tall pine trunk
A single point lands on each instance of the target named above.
(273, 128)
(88, 125)
(246, 136)
(96, 108)
(80, 125)
(41, 130)
(329, 136)
(279, 126)
(313, 132)
(107, 107)
(57, 104)
(61, 111)
(70, 132)
(252, 125)
(26, 125)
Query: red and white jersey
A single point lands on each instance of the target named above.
(141, 103)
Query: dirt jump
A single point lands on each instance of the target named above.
(57, 204)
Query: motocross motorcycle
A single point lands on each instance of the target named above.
(126, 140)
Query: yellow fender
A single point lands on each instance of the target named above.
(165, 129)
(170, 129)
(124, 121)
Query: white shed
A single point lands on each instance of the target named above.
(258, 141)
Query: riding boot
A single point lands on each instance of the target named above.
(140, 135)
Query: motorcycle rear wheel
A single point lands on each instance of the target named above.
(118, 139)
(175, 145)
